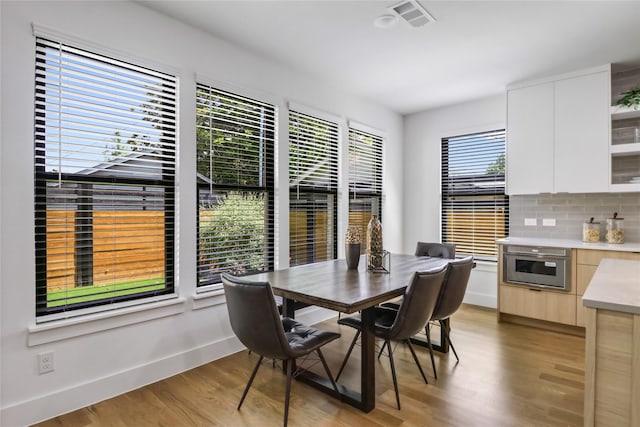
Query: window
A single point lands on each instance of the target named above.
(313, 185)
(365, 179)
(105, 142)
(475, 209)
(235, 143)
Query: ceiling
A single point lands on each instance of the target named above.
(473, 50)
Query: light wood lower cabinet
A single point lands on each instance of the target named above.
(583, 277)
(612, 382)
(586, 265)
(551, 306)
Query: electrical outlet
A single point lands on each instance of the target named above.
(45, 362)
(530, 221)
(549, 222)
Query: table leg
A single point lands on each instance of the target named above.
(366, 399)
(367, 366)
(288, 308)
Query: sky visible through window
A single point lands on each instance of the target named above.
(463, 161)
(96, 112)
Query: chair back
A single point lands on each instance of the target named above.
(418, 303)
(254, 317)
(454, 287)
(439, 250)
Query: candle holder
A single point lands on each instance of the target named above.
(379, 263)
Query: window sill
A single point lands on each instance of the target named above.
(209, 298)
(489, 266)
(58, 330)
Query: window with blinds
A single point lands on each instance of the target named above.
(235, 179)
(313, 188)
(105, 145)
(365, 179)
(475, 208)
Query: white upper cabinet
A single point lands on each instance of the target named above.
(530, 139)
(558, 134)
(581, 148)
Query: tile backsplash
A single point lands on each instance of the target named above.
(569, 212)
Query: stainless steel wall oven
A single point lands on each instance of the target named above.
(537, 266)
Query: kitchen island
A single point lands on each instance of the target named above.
(612, 347)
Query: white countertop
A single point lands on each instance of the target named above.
(615, 286)
(569, 243)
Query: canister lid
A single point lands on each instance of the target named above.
(591, 221)
(615, 216)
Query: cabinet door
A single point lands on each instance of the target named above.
(581, 149)
(530, 139)
(544, 305)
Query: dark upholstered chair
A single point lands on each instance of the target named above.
(436, 250)
(415, 311)
(257, 324)
(449, 300)
(439, 250)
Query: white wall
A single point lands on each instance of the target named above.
(105, 355)
(422, 148)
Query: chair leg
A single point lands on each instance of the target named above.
(393, 373)
(253, 375)
(326, 368)
(415, 357)
(287, 393)
(446, 333)
(346, 358)
(381, 349)
(427, 330)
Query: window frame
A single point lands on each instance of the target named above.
(267, 189)
(313, 190)
(166, 109)
(372, 193)
(472, 193)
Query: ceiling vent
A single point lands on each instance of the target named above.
(412, 12)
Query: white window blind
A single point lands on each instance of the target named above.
(365, 179)
(105, 143)
(475, 209)
(235, 168)
(313, 184)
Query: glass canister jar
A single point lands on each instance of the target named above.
(591, 231)
(615, 229)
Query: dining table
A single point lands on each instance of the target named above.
(330, 285)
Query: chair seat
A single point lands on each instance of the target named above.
(392, 305)
(383, 320)
(304, 339)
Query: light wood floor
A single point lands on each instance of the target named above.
(508, 375)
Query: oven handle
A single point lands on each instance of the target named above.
(538, 252)
(537, 256)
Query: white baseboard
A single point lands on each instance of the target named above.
(62, 401)
(483, 300)
(78, 396)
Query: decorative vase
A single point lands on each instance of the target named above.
(352, 243)
(374, 244)
(352, 253)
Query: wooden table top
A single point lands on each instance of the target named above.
(330, 285)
